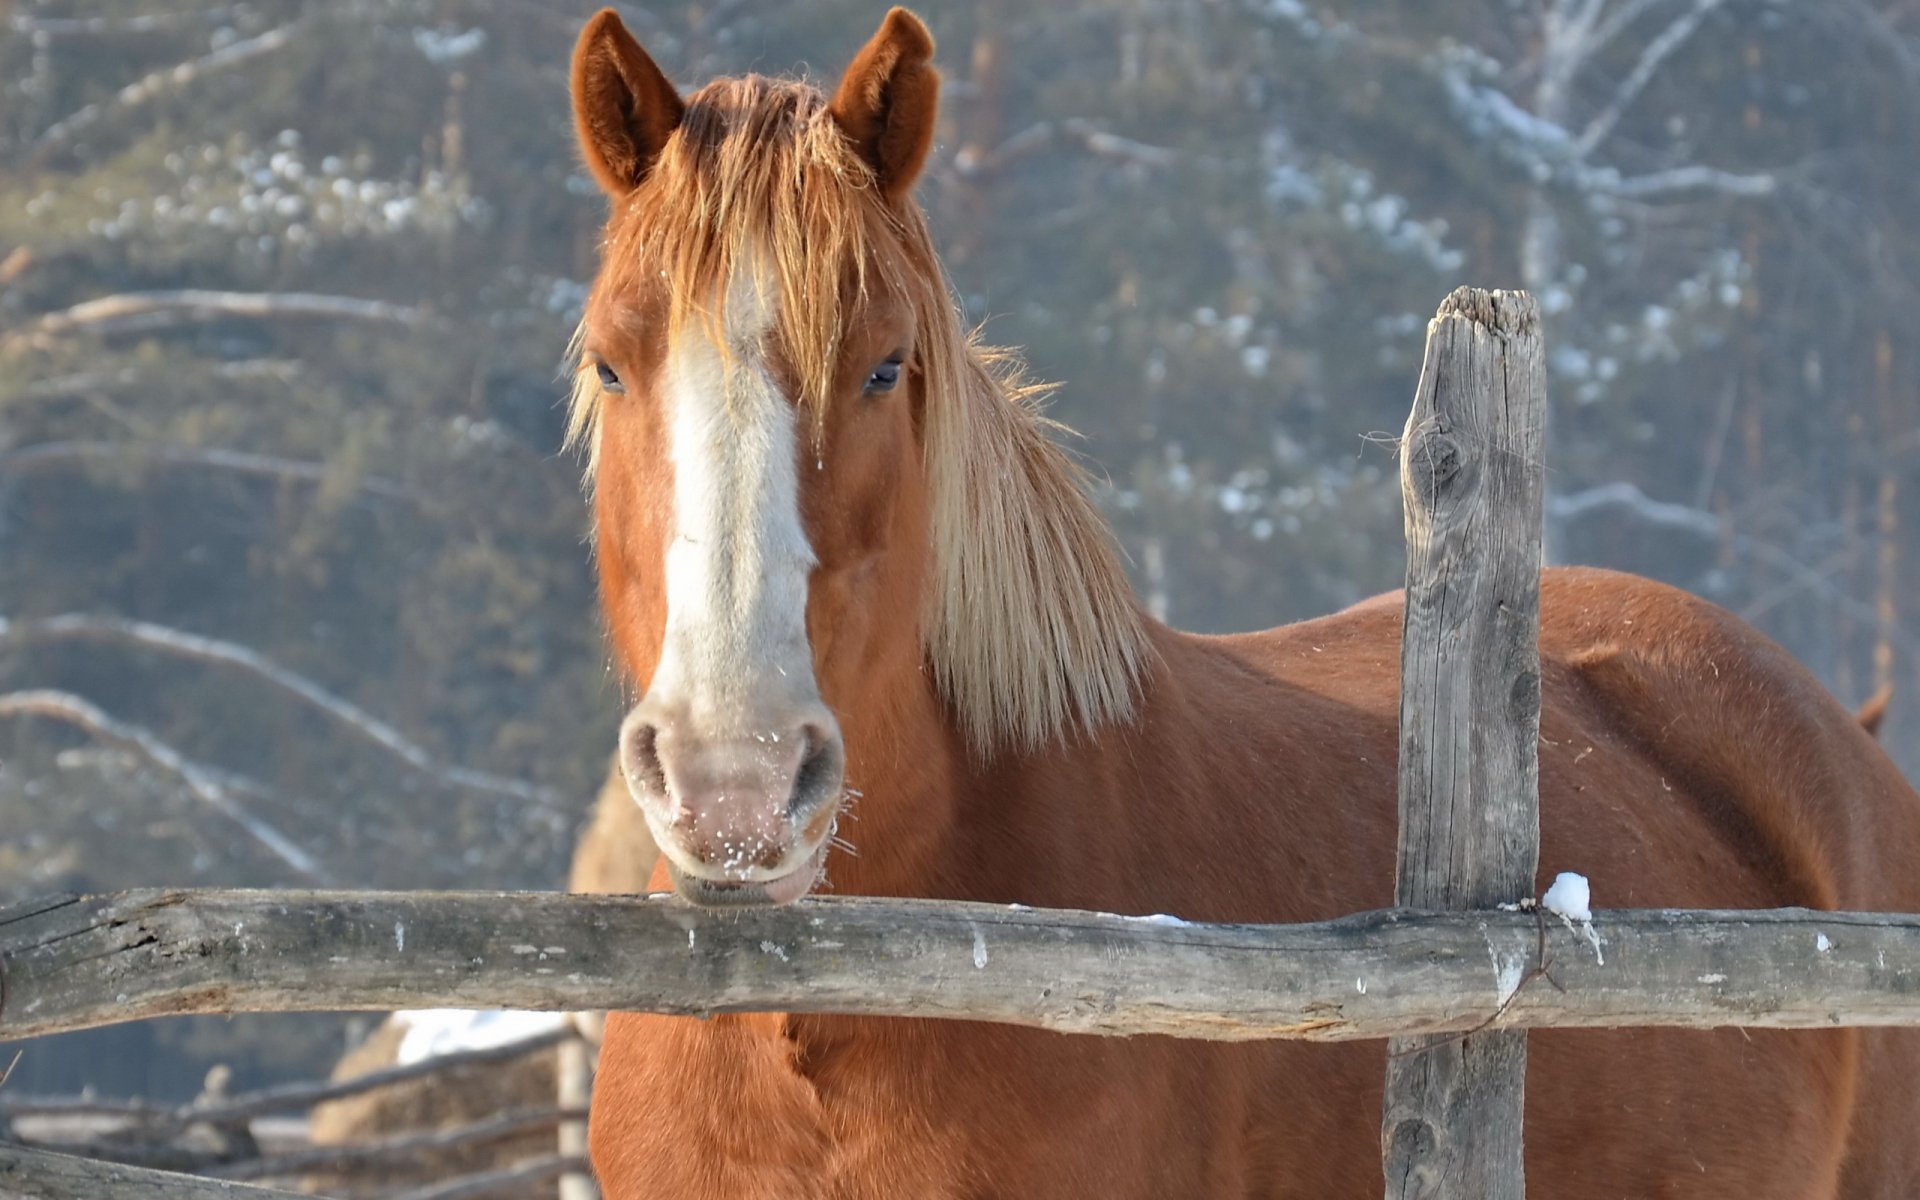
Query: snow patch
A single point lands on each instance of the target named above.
(1507, 973)
(432, 1032)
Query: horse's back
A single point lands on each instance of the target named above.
(1661, 714)
(1685, 761)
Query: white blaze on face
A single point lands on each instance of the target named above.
(733, 759)
(737, 567)
(731, 755)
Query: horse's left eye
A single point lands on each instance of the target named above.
(609, 380)
(884, 377)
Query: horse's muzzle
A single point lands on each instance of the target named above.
(738, 816)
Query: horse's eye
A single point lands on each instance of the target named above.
(884, 377)
(609, 380)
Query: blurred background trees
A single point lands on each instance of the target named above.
(294, 578)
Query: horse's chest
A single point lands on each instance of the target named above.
(753, 1108)
(749, 1108)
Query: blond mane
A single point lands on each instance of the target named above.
(1032, 629)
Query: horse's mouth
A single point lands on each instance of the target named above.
(761, 893)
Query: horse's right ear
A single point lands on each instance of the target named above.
(623, 107)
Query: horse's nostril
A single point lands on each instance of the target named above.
(641, 760)
(818, 779)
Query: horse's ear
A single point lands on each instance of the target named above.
(888, 99)
(623, 107)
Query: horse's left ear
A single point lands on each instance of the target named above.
(888, 99)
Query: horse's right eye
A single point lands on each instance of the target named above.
(609, 380)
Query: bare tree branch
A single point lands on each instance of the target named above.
(1617, 24)
(145, 89)
(79, 383)
(1577, 22)
(192, 645)
(1628, 497)
(1656, 52)
(1042, 134)
(241, 461)
(134, 312)
(1882, 34)
(145, 23)
(1567, 40)
(204, 782)
(1691, 178)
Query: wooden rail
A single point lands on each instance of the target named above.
(74, 962)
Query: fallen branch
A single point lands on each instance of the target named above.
(135, 312)
(207, 783)
(75, 962)
(146, 23)
(182, 644)
(152, 85)
(238, 461)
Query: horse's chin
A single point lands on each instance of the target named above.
(763, 893)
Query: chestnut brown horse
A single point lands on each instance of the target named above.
(853, 578)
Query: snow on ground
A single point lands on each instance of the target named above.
(432, 1032)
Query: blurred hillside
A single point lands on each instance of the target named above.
(293, 575)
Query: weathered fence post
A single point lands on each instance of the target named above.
(1470, 478)
(573, 1076)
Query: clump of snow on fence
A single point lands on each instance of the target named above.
(1571, 899)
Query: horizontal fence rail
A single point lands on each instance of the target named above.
(71, 962)
(29, 1174)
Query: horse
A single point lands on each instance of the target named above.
(883, 644)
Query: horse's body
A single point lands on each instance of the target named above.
(898, 578)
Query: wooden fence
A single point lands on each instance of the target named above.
(252, 1143)
(1448, 962)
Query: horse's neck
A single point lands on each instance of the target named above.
(907, 773)
(929, 817)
